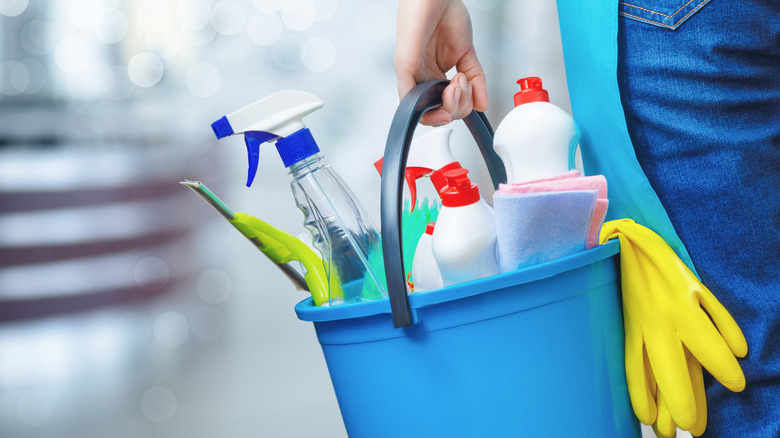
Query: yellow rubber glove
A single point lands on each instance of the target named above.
(664, 311)
(664, 425)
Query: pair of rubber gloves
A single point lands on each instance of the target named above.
(669, 337)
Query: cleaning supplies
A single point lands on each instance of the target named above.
(464, 242)
(424, 267)
(536, 139)
(430, 156)
(569, 181)
(341, 230)
(534, 228)
(413, 225)
(664, 314)
(279, 246)
(664, 425)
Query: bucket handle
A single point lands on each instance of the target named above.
(423, 97)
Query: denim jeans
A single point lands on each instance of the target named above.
(700, 87)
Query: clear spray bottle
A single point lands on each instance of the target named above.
(341, 230)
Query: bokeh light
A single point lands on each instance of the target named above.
(85, 14)
(326, 9)
(145, 69)
(72, 55)
(203, 79)
(299, 15)
(318, 54)
(193, 14)
(35, 37)
(154, 16)
(12, 8)
(228, 17)
(15, 78)
(113, 27)
(171, 329)
(87, 84)
(268, 6)
(264, 29)
(159, 404)
(214, 286)
(151, 273)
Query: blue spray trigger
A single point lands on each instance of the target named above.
(253, 140)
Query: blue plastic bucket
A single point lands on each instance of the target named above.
(534, 352)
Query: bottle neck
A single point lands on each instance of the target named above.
(305, 166)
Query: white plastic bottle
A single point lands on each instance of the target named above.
(536, 139)
(464, 244)
(425, 271)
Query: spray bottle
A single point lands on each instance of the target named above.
(536, 139)
(341, 230)
(430, 156)
(464, 241)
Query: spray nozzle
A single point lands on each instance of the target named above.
(411, 176)
(429, 156)
(275, 118)
(253, 140)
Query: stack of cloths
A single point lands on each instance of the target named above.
(542, 220)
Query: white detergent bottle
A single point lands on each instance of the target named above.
(464, 243)
(425, 271)
(429, 156)
(341, 230)
(536, 139)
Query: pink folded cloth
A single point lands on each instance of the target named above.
(567, 182)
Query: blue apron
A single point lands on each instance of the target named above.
(589, 35)
(701, 94)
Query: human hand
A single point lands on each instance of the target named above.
(433, 36)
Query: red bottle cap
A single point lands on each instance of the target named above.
(459, 190)
(429, 228)
(531, 91)
(437, 177)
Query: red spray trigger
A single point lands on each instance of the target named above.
(412, 175)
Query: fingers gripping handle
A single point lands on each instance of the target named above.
(421, 98)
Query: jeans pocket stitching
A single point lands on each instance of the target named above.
(672, 26)
(660, 13)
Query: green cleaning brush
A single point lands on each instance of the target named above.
(413, 223)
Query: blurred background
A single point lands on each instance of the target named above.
(128, 308)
